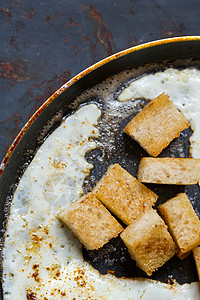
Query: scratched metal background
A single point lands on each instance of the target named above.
(45, 43)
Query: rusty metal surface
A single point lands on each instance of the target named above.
(45, 43)
(81, 75)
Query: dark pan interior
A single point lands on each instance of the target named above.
(114, 256)
(51, 117)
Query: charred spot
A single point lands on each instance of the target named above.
(30, 295)
(35, 266)
(36, 276)
(63, 293)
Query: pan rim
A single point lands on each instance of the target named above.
(79, 76)
(82, 74)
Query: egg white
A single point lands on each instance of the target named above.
(183, 88)
(41, 257)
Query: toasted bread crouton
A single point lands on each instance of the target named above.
(183, 222)
(156, 125)
(148, 241)
(169, 170)
(91, 222)
(183, 255)
(196, 254)
(123, 194)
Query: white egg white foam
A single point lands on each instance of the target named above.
(42, 258)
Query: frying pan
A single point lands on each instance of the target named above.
(49, 116)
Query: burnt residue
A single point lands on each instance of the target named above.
(28, 14)
(13, 42)
(16, 3)
(41, 91)
(16, 70)
(6, 12)
(48, 18)
(31, 295)
(72, 22)
(79, 277)
(169, 30)
(16, 118)
(102, 33)
(35, 275)
(23, 14)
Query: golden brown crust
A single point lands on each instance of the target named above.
(169, 170)
(182, 255)
(196, 254)
(149, 241)
(123, 194)
(182, 221)
(156, 125)
(91, 222)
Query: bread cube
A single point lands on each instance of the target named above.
(91, 222)
(169, 170)
(183, 255)
(149, 242)
(123, 194)
(183, 222)
(196, 254)
(156, 125)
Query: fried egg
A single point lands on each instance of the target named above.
(42, 259)
(183, 88)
